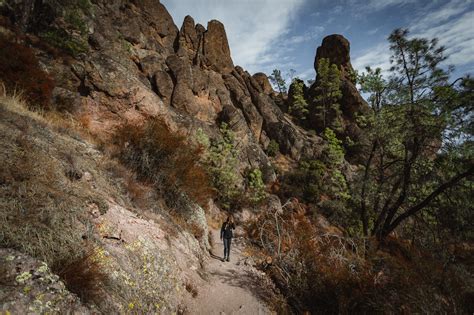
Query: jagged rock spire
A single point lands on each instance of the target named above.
(209, 48)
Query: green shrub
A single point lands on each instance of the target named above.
(61, 39)
(317, 180)
(334, 152)
(255, 186)
(306, 182)
(298, 106)
(221, 159)
(313, 173)
(273, 148)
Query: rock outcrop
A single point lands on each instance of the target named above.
(336, 49)
(135, 64)
(138, 63)
(216, 48)
(263, 82)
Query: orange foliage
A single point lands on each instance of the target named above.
(326, 273)
(164, 159)
(20, 70)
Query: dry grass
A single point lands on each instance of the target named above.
(45, 207)
(139, 193)
(83, 275)
(163, 159)
(317, 273)
(16, 101)
(42, 203)
(34, 215)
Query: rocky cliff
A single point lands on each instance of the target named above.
(118, 62)
(135, 62)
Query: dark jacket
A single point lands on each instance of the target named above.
(226, 230)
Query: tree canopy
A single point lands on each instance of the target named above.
(328, 93)
(419, 135)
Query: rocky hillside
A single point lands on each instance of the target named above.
(126, 141)
(134, 62)
(65, 203)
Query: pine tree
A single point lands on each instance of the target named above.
(418, 148)
(278, 80)
(328, 93)
(298, 106)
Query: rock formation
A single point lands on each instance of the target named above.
(263, 82)
(126, 61)
(336, 49)
(138, 63)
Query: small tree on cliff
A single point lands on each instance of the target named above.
(298, 106)
(221, 158)
(278, 80)
(328, 93)
(416, 151)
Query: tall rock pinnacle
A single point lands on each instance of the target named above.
(216, 48)
(336, 48)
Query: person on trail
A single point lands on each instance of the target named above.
(226, 235)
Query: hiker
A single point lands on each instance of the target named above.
(226, 235)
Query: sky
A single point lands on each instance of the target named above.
(284, 34)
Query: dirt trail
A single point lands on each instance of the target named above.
(233, 287)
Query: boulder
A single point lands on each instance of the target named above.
(262, 80)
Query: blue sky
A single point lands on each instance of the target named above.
(284, 34)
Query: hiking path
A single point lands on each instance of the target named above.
(233, 287)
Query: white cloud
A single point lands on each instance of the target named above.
(377, 5)
(452, 23)
(337, 9)
(252, 26)
(442, 14)
(310, 34)
(373, 31)
(375, 57)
